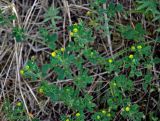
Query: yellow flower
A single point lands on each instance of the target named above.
(133, 48)
(75, 30)
(92, 53)
(71, 34)
(88, 13)
(98, 117)
(114, 84)
(27, 67)
(109, 114)
(21, 72)
(62, 49)
(103, 111)
(19, 104)
(53, 54)
(40, 90)
(127, 108)
(131, 56)
(139, 47)
(67, 90)
(78, 114)
(67, 119)
(110, 60)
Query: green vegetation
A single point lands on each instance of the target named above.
(71, 69)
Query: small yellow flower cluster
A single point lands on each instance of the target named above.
(104, 112)
(22, 72)
(133, 48)
(114, 84)
(127, 109)
(78, 114)
(109, 114)
(110, 60)
(67, 119)
(139, 47)
(40, 90)
(53, 54)
(92, 53)
(62, 49)
(88, 13)
(26, 68)
(75, 30)
(131, 56)
(98, 117)
(19, 104)
(71, 34)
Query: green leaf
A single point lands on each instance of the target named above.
(157, 30)
(147, 81)
(119, 7)
(49, 39)
(52, 38)
(60, 73)
(82, 80)
(148, 6)
(18, 33)
(124, 83)
(132, 34)
(12, 17)
(138, 73)
(45, 69)
(52, 16)
(51, 90)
